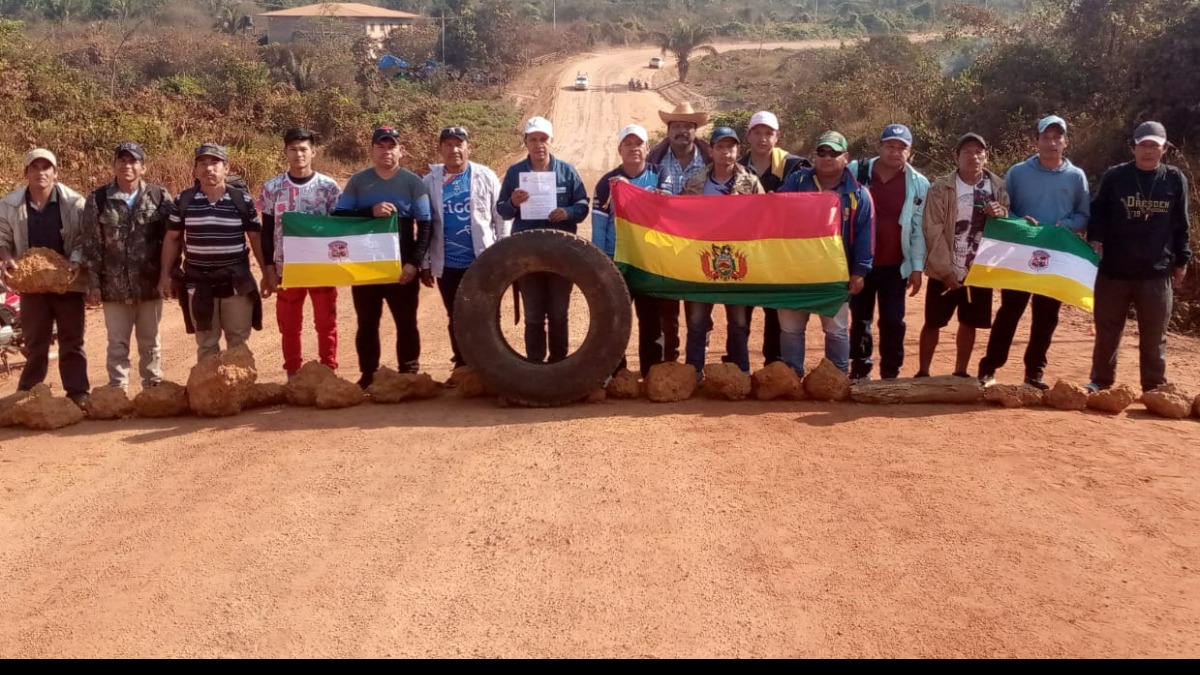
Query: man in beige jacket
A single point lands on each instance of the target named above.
(47, 214)
(956, 209)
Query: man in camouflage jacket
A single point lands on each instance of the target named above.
(124, 223)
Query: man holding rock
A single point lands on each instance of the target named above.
(47, 214)
(124, 224)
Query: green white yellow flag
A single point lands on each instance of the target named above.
(328, 251)
(1047, 260)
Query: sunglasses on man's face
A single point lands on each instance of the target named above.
(828, 152)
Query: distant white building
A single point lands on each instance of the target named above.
(374, 22)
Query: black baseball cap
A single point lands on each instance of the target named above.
(454, 132)
(386, 131)
(212, 150)
(135, 150)
(970, 136)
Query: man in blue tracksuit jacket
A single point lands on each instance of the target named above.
(1047, 190)
(830, 172)
(544, 296)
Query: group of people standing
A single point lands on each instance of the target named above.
(131, 245)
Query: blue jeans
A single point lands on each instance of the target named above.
(699, 325)
(837, 339)
(547, 300)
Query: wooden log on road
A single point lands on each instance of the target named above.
(945, 389)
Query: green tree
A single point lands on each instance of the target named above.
(683, 41)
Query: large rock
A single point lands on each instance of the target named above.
(1014, 395)
(1067, 396)
(7, 404)
(777, 380)
(469, 384)
(626, 385)
(165, 399)
(40, 270)
(339, 393)
(42, 410)
(725, 381)
(390, 386)
(599, 395)
(827, 383)
(1113, 400)
(302, 389)
(669, 382)
(109, 403)
(1195, 407)
(218, 385)
(265, 395)
(958, 390)
(1168, 401)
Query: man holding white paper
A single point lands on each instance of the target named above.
(528, 197)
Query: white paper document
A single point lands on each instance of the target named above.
(543, 194)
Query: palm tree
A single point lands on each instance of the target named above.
(684, 40)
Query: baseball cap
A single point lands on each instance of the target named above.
(896, 132)
(132, 148)
(970, 136)
(539, 125)
(454, 132)
(834, 140)
(766, 118)
(634, 130)
(212, 150)
(1047, 122)
(1150, 131)
(721, 133)
(385, 131)
(40, 153)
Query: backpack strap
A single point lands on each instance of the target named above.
(864, 172)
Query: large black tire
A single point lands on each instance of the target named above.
(508, 373)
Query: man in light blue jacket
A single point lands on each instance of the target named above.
(898, 192)
(1048, 191)
(465, 219)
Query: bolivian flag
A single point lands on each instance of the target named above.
(1047, 260)
(329, 251)
(778, 250)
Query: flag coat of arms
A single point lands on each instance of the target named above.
(328, 251)
(782, 251)
(1047, 260)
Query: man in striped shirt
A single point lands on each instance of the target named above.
(211, 224)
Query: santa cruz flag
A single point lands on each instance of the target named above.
(1047, 260)
(328, 251)
(782, 251)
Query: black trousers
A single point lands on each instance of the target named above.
(402, 301)
(1004, 327)
(40, 312)
(668, 316)
(448, 286)
(885, 287)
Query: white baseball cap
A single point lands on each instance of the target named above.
(41, 153)
(764, 117)
(634, 130)
(539, 124)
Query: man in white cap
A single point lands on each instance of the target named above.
(1047, 190)
(1139, 226)
(631, 146)
(898, 192)
(771, 164)
(546, 297)
(48, 214)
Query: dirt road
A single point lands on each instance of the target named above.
(456, 528)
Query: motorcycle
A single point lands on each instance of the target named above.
(12, 340)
